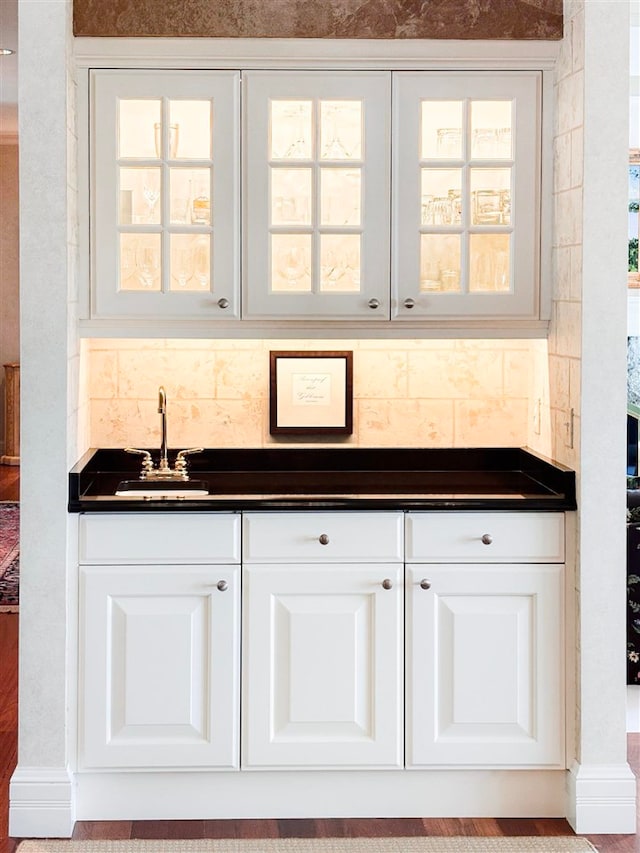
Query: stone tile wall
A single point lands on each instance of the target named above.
(406, 393)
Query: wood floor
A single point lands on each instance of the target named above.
(9, 486)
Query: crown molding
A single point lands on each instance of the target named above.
(428, 54)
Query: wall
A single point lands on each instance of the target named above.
(413, 393)
(585, 370)
(9, 265)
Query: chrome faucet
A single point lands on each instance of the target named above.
(163, 471)
(163, 465)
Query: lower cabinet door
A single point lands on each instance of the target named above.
(322, 666)
(484, 665)
(159, 666)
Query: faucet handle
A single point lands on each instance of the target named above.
(181, 458)
(147, 461)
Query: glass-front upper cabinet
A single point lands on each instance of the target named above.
(316, 194)
(165, 194)
(466, 194)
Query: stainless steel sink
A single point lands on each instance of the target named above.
(162, 489)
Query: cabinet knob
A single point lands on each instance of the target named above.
(222, 586)
(223, 303)
(387, 584)
(487, 539)
(373, 303)
(409, 303)
(323, 539)
(425, 584)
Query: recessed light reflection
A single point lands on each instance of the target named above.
(6, 51)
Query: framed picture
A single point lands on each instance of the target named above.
(311, 393)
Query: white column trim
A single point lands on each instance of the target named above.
(601, 799)
(42, 803)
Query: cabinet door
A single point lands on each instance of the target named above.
(159, 666)
(484, 665)
(466, 194)
(322, 671)
(165, 190)
(317, 194)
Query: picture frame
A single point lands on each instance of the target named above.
(311, 392)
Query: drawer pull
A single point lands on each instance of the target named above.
(387, 584)
(487, 539)
(425, 584)
(323, 539)
(373, 303)
(222, 586)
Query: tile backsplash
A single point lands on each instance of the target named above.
(436, 393)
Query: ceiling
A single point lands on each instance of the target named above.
(9, 69)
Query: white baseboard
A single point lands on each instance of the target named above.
(601, 799)
(41, 803)
(197, 795)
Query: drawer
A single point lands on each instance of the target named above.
(320, 537)
(160, 538)
(485, 537)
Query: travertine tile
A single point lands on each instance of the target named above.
(380, 374)
(103, 374)
(559, 381)
(405, 423)
(241, 374)
(184, 374)
(490, 423)
(517, 365)
(458, 374)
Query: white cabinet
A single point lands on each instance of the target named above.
(466, 194)
(485, 640)
(317, 194)
(159, 642)
(322, 659)
(369, 640)
(165, 194)
(377, 196)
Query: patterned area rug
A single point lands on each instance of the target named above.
(459, 844)
(9, 557)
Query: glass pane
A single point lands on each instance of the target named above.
(180, 184)
(439, 262)
(491, 196)
(441, 130)
(136, 123)
(441, 196)
(190, 262)
(491, 130)
(291, 130)
(200, 196)
(190, 129)
(139, 196)
(290, 196)
(489, 263)
(341, 130)
(166, 148)
(291, 262)
(340, 265)
(140, 262)
(340, 196)
(202, 261)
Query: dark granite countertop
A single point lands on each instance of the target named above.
(333, 478)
